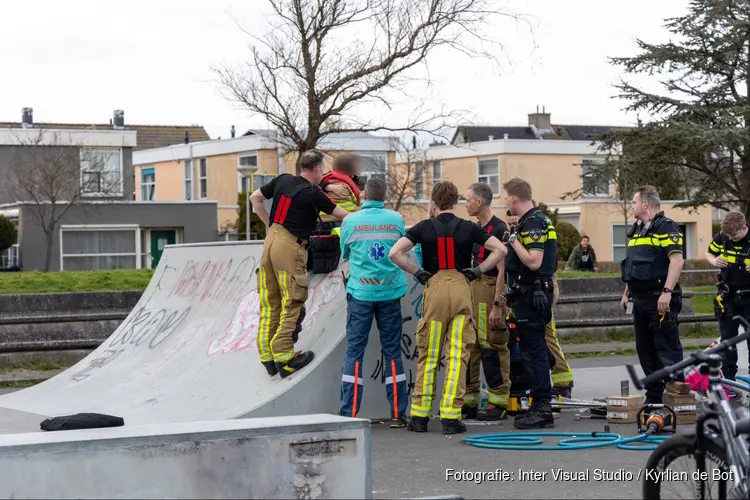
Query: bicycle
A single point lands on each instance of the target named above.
(721, 433)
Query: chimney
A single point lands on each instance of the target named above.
(232, 131)
(27, 118)
(187, 137)
(118, 119)
(505, 136)
(492, 137)
(541, 121)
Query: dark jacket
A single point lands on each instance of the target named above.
(574, 260)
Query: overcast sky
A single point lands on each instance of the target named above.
(78, 60)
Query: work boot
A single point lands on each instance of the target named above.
(452, 426)
(418, 424)
(565, 391)
(539, 416)
(300, 360)
(493, 413)
(469, 412)
(399, 423)
(271, 367)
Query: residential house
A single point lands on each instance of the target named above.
(218, 170)
(81, 176)
(555, 160)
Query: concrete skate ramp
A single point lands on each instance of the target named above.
(187, 352)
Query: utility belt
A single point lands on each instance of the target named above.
(646, 294)
(536, 293)
(723, 298)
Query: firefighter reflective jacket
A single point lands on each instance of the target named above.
(343, 191)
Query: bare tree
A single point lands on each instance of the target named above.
(408, 178)
(323, 59)
(54, 173)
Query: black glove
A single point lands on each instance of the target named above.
(472, 273)
(422, 276)
(541, 304)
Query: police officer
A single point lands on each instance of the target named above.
(446, 321)
(531, 262)
(491, 350)
(651, 271)
(282, 274)
(730, 252)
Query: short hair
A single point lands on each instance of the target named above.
(649, 194)
(310, 159)
(444, 195)
(375, 189)
(584, 237)
(733, 222)
(483, 191)
(519, 188)
(346, 163)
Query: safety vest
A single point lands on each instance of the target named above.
(738, 257)
(446, 249)
(646, 264)
(350, 204)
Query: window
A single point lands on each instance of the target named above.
(419, 180)
(248, 161)
(489, 174)
(593, 179)
(94, 247)
(203, 179)
(437, 171)
(101, 171)
(619, 242)
(375, 165)
(148, 184)
(188, 172)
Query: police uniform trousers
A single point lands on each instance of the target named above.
(736, 304)
(446, 328)
(562, 375)
(657, 337)
(532, 332)
(282, 288)
(490, 351)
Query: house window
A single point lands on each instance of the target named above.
(101, 171)
(85, 248)
(489, 174)
(437, 171)
(419, 180)
(593, 182)
(619, 242)
(248, 161)
(188, 173)
(203, 179)
(374, 165)
(148, 184)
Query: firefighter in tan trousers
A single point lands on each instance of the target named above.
(446, 322)
(491, 350)
(562, 375)
(282, 274)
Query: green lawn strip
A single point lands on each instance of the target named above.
(19, 384)
(37, 366)
(74, 281)
(697, 331)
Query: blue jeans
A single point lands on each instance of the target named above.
(359, 317)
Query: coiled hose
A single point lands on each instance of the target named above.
(574, 441)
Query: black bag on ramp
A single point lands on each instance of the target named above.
(81, 421)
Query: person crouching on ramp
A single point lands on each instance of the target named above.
(282, 274)
(374, 289)
(447, 244)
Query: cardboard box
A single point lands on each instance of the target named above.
(622, 416)
(671, 399)
(622, 403)
(678, 388)
(686, 418)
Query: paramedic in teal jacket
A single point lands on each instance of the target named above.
(374, 289)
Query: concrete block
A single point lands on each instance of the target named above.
(307, 456)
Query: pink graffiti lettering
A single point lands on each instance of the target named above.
(223, 281)
(241, 331)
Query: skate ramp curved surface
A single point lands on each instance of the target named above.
(187, 351)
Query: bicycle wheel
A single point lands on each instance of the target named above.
(672, 470)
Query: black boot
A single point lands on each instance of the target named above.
(539, 416)
(271, 367)
(493, 413)
(469, 412)
(565, 391)
(418, 424)
(300, 360)
(452, 426)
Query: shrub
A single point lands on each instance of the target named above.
(567, 238)
(8, 233)
(715, 228)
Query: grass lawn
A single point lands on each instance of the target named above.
(703, 304)
(583, 274)
(74, 281)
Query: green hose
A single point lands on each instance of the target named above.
(575, 441)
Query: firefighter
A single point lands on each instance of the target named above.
(491, 350)
(282, 274)
(531, 262)
(730, 252)
(653, 295)
(446, 321)
(341, 186)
